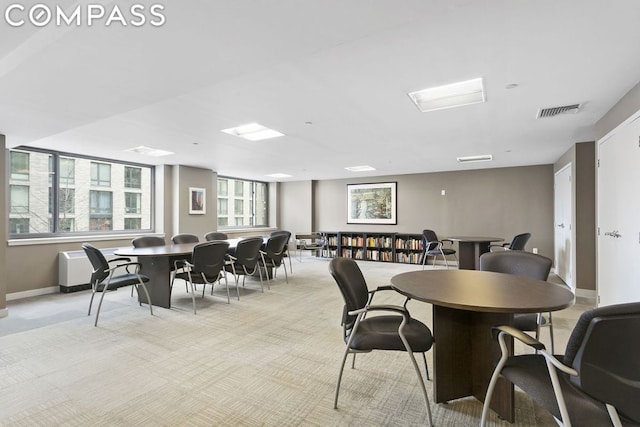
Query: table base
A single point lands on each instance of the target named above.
(465, 354)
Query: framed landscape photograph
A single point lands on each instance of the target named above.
(371, 203)
(197, 201)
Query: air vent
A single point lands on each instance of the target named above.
(554, 111)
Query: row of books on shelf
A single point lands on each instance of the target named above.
(379, 242)
(408, 258)
(352, 241)
(410, 244)
(379, 255)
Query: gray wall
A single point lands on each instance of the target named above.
(625, 108)
(295, 204)
(5, 226)
(501, 202)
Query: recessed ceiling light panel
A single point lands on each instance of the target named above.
(279, 175)
(449, 96)
(363, 168)
(148, 151)
(253, 132)
(471, 159)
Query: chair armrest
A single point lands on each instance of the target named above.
(386, 307)
(126, 267)
(119, 259)
(447, 240)
(519, 335)
(231, 257)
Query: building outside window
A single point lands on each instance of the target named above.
(132, 202)
(19, 166)
(132, 177)
(100, 174)
(248, 205)
(53, 193)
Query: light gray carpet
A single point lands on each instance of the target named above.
(270, 359)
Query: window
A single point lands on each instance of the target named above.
(132, 177)
(67, 175)
(132, 223)
(63, 193)
(249, 203)
(100, 174)
(132, 203)
(100, 207)
(238, 208)
(18, 225)
(19, 165)
(19, 199)
(238, 188)
(223, 187)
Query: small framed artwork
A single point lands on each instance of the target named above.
(371, 203)
(197, 201)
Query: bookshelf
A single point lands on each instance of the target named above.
(373, 246)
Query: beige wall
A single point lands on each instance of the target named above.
(490, 202)
(582, 159)
(625, 108)
(296, 203)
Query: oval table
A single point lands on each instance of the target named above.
(156, 262)
(470, 248)
(466, 304)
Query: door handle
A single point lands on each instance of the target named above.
(613, 233)
(561, 225)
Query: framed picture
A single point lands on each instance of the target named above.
(371, 203)
(197, 201)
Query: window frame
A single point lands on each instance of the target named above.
(231, 198)
(57, 233)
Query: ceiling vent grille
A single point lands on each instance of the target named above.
(554, 111)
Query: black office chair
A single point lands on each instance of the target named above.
(179, 239)
(245, 261)
(286, 247)
(518, 243)
(215, 235)
(273, 254)
(432, 246)
(310, 242)
(595, 383)
(395, 332)
(104, 279)
(206, 267)
(147, 242)
(526, 264)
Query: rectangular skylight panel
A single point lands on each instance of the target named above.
(148, 151)
(363, 168)
(253, 132)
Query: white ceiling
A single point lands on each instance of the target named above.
(333, 75)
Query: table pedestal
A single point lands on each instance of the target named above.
(465, 354)
(469, 254)
(158, 270)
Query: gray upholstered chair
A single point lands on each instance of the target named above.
(273, 254)
(395, 331)
(185, 238)
(526, 264)
(215, 235)
(286, 247)
(518, 243)
(432, 246)
(597, 380)
(245, 261)
(104, 277)
(206, 267)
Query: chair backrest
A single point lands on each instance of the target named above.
(98, 262)
(215, 235)
(605, 350)
(208, 258)
(519, 241)
(185, 238)
(519, 263)
(348, 276)
(429, 240)
(282, 232)
(248, 252)
(147, 241)
(275, 248)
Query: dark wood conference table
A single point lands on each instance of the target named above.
(470, 248)
(156, 263)
(466, 304)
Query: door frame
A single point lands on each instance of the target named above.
(571, 264)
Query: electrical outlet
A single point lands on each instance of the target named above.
(535, 250)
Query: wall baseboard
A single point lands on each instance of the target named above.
(4, 312)
(587, 293)
(33, 293)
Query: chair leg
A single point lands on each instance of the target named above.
(551, 334)
(286, 277)
(426, 368)
(494, 380)
(146, 292)
(417, 369)
(93, 294)
(104, 291)
(344, 360)
(445, 259)
(353, 361)
(193, 297)
(289, 256)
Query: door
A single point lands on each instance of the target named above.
(562, 221)
(619, 216)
